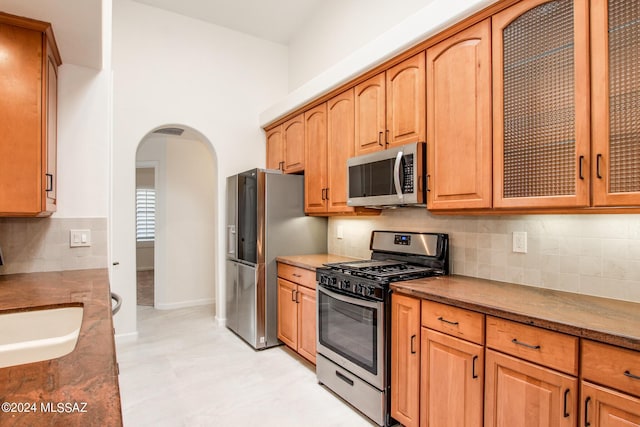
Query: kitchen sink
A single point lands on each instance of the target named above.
(38, 335)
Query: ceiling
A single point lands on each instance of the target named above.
(77, 24)
(274, 20)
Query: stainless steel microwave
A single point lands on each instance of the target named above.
(388, 178)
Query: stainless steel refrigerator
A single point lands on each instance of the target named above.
(265, 219)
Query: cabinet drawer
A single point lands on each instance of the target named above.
(298, 275)
(611, 366)
(552, 349)
(455, 321)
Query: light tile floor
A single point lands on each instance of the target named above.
(184, 370)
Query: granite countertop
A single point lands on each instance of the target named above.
(88, 375)
(311, 262)
(600, 319)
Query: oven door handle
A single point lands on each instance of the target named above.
(350, 299)
(396, 174)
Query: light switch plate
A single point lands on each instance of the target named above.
(79, 238)
(520, 242)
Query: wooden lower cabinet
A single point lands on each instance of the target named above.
(287, 313)
(405, 359)
(297, 310)
(306, 314)
(604, 407)
(451, 381)
(519, 393)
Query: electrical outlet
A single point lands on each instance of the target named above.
(520, 242)
(340, 232)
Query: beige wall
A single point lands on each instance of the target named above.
(588, 254)
(42, 244)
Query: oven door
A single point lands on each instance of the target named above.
(351, 334)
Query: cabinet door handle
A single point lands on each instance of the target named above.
(49, 182)
(564, 410)
(296, 275)
(293, 295)
(581, 162)
(327, 193)
(628, 374)
(524, 344)
(323, 194)
(427, 182)
(380, 139)
(442, 319)
(386, 138)
(281, 166)
(297, 300)
(413, 340)
(598, 160)
(474, 375)
(586, 412)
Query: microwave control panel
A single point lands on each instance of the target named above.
(407, 178)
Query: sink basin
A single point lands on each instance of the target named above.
(37, 335)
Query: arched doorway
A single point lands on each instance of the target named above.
(176, 217)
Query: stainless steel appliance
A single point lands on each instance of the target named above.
(265, 219)
(354, 315)
(396, 176)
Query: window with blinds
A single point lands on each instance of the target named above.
(145, 214)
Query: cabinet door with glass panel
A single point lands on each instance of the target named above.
(615, 32)
(541, 104)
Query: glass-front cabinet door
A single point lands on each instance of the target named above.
(615, 31)
(541, 104)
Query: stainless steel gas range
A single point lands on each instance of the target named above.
(354, 315)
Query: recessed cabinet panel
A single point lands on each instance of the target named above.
(615, 32)
(340, 147)
(541, 108)
(275, 154)
(459, 120)
(293, 142)
(370, 118)
(316, 159)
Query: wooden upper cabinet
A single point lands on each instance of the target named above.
(28, 111)
(390, 107)
(293, 144)
(615, 102)
(405, 86)
(459, 120)
(340, 147)
(315, 181)
(370, 115)
(541, 132)
(275, 152)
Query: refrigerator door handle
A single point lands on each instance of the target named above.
(231, 239)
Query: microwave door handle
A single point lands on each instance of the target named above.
(396, 174)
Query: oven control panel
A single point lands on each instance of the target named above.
(350, 285)
(402, 239)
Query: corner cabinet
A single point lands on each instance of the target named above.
(297, 310)
(390, 107)
(615, 73)
(459, 120)
(28, 107)
(541, 108)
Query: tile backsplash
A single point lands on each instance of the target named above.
(42, 244)
(588, 254)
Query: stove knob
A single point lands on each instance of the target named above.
(333, 281)
(357, 288)
(345, 285)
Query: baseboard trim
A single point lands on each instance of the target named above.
(125, 338)
(184, 304)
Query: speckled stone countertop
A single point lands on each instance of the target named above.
(86, 375)
(311, 262)
(600, 319)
